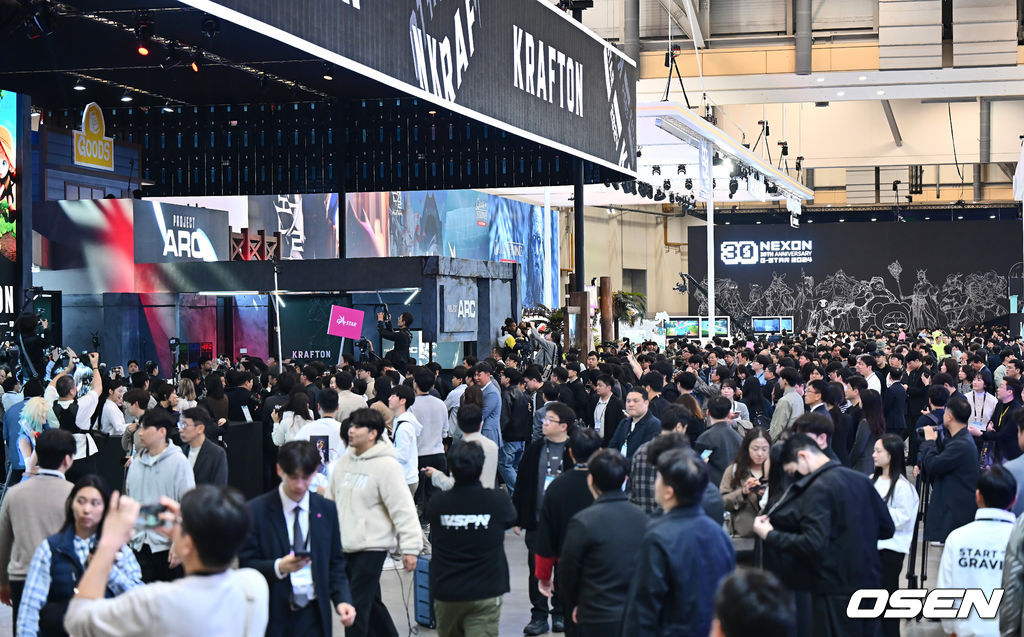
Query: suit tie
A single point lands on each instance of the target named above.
(298, 545)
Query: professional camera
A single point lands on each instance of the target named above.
(363, 345)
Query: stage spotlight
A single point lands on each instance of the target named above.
(172, 59)
(39, 23)
(734, 185)
(656, 170)
(194, 62)
(328, 71)
(126, 97)
(78, 85)
(659, 195)
(167, 109)
(681, 169)
(667, 185)
(688, 183)
(144, 35)
(615, 185)
(210, 26)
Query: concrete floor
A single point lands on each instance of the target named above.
(396, 586)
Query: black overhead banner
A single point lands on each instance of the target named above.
(856, 276)
(521, 65)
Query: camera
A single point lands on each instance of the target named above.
(363, 345)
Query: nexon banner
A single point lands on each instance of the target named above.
(169, 233)
(522, 65)
(856, 276)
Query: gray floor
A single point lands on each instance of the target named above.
(397, 590)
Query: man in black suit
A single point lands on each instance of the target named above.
(208, 460)
(637, 427)
(951, 465)
(604, 411)
(296, 544)
(652, 382)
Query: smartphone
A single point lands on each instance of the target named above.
(149, 516)
(303, 554)
(704, 455)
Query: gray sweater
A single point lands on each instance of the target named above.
(168, 474)
(32, 511)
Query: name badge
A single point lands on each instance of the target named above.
(547, 482)
(245, 412)
(303, 578)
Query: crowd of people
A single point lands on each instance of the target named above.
(637, 477)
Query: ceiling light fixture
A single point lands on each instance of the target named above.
(328, 72)
(126, 97)
(879, 92)
(862, 78)
(821, 79)
(78, 85)
(841, 93)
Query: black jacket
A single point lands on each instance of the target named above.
(723, 442)
(468, 526)
(402, 339)
(237, 398)
(1004, 433)
(567, 495)
(646, 428)
(894, 406)
(683, 557)
(580, 397)
(516, 419)
(612, 415)
(657, 404)
(826, 532)
(917, 393)
(525, 494)
(951, 465)
(599, 556)
(268, 541)
(211, 465)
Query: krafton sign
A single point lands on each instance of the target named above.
(523, 66)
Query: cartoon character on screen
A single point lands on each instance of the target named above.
(8, 173)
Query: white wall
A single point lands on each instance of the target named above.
(633, 240)
(857, 133)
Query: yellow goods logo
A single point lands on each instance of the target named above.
(92, 149)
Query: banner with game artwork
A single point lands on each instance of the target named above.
(10, 202)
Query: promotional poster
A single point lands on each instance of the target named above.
(10, 267)
(894, 275)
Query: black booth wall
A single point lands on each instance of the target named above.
(861, 275)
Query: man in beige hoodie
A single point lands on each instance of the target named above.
(374, 505)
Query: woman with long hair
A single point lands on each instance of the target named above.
(753, 398)
(291, 417)
(834, 397)
(60, 561)
(891, 483)
(216, 402)
(108, 410)
(744, 481)
(186, 394)
(696, 424)
(870, 429)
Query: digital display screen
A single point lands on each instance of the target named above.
(681, 327)
(767, 325)
(721, 326)
(786, 323)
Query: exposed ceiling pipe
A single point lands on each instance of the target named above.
(984, 146)
(631, 26)
(803, 36)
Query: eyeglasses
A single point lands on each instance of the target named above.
(553, 422)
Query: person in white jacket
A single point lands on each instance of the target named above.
(374, 505)
(891, 483)
(972, 557)
(983, 404)
(405, 432)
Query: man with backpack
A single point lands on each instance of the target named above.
(73, 414)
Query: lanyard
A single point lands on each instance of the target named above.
(547, 458)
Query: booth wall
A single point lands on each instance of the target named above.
(892, 275)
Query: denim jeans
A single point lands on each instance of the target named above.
(509, 455)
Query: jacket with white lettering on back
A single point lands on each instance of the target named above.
(973, 558)
(374, 502)
(468, 526)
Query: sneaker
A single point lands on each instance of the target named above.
(557, 625)
(536, 627)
